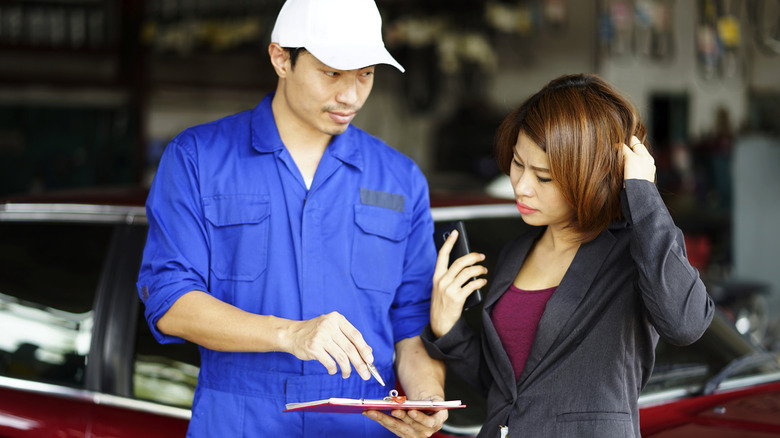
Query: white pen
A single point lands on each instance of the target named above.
(375, 373)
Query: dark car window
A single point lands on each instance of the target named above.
(690, 367)
(164, 373)
(50, 273)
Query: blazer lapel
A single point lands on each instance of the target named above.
(498, 360)
(566, 299)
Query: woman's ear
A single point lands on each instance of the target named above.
(280, 59)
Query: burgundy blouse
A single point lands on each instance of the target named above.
(516, 317)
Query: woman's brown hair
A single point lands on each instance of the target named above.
(581, 123)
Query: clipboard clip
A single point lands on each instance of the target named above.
(400, 399)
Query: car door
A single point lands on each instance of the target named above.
(48, 283)
(69, 313)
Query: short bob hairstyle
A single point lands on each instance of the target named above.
(581, 123)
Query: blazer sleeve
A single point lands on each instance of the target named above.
(461, 349)
(676, 299)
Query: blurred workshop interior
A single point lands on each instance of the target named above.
(91, 91)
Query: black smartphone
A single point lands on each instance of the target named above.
(461, 248)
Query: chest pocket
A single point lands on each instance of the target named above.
(238, 226)
(379, 247)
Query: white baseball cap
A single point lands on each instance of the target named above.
(342, 34)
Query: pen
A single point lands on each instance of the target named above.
(375, 373)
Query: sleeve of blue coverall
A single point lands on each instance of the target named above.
(175, 259)
(410, 311)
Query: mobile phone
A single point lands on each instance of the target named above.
(461, 248)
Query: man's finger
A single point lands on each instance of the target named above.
(340, 356)
(356, 339)
(358, 352)
(320, 355)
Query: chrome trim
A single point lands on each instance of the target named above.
(461, 430)
(466, 212)
(132, 214)
(94, 397)
(742, 382)
(46, 388)
(142, 406)
(663, 396)
(73, 213)
(729, 385)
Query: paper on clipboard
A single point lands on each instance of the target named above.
(357, 406)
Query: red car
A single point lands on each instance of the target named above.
(77, 359)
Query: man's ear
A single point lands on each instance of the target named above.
(280, 59)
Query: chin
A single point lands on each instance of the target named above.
(336, 130)
(529, 219)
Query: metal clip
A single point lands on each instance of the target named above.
(395, 397)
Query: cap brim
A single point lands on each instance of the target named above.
(353, 58)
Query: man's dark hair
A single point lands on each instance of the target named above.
(294, 52)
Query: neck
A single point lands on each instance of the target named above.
(296, 134)
(305, 143)
(560, 240)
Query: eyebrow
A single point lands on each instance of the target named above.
(538, 169)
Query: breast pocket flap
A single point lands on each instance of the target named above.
(226, 210)
(391, 225)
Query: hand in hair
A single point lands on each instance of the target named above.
(637, 161)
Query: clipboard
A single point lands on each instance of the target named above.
(359, 405)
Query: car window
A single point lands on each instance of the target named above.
(164, 373)
(48, 280)
(690, 367)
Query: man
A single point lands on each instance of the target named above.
(290, 245)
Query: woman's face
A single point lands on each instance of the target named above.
(538, 198)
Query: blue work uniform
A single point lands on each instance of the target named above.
(230, 214)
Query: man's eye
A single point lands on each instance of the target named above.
(516, 163)
(332, 74)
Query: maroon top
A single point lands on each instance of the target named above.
(516, 317)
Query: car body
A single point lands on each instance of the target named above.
(77, 359)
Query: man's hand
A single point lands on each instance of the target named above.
(331, 340)
(411, 423)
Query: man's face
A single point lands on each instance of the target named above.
(323, 98)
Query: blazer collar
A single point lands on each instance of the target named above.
(567, 297)
(510, 264)
(560, 308)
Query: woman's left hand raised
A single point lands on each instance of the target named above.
(637, 161)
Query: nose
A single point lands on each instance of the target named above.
(348, 91)
(524, 185)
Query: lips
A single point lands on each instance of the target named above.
(343, 118)
(524, 209)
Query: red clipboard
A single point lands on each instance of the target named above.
(357, 406)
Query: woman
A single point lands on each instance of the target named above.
(576, 307)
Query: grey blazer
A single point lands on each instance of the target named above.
(595, 346)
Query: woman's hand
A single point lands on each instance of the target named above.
(452, 286)
(637, 161)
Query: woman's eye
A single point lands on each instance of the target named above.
(543, 180)
(516, 163)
